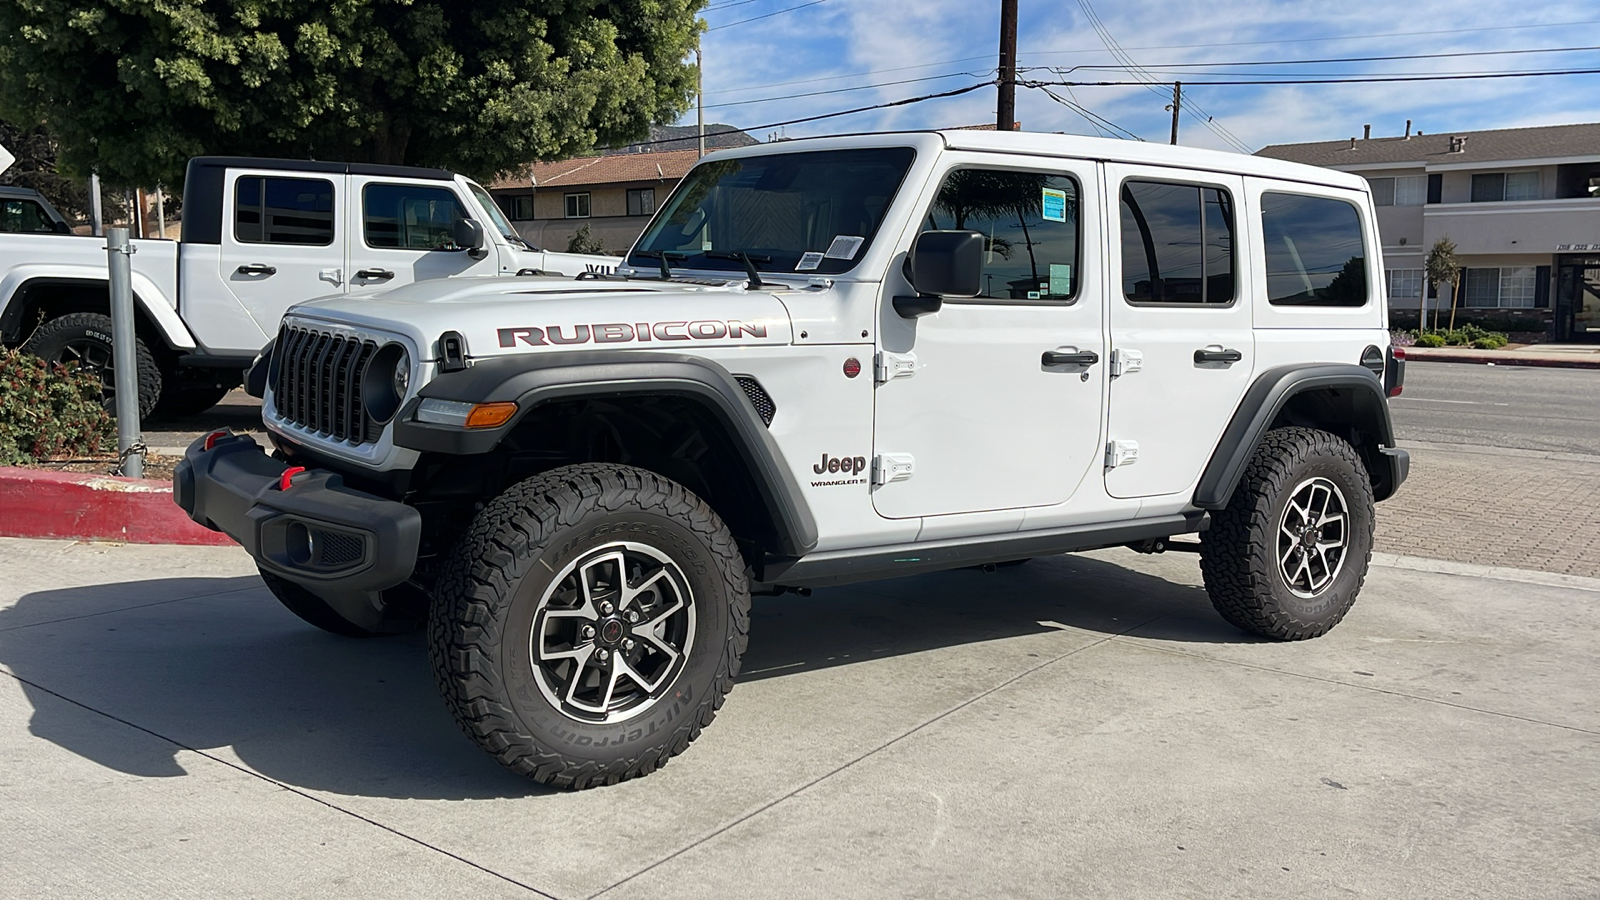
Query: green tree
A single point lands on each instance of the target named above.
(135, 87)
(1442, 270)
(582, 241)
(35, 168)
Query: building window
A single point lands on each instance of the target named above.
(1404, 284)
(521, 208)
(1406, 190)
(578, 206)
(1522, 185)
(1435, 188)
(1177, 243)
(1491, 187)
(1513, 287)
(642, 202)
(1314, 249)
(269, 210)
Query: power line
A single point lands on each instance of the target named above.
(845, 90)
(1333, 59)
(1093, 118)
(766, 15)
(715, 6)
(1378, 79)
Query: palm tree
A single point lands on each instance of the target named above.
(1442, 270)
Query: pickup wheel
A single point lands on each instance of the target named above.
(1287, 557)
(589, 624)
(405, 610)
(85, 339)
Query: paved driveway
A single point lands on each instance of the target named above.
(1080, 726)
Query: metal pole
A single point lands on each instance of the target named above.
(1006, 109)
(118, 252)
(700, 98)
(1177, 102)
(97, 219)
(161, 212)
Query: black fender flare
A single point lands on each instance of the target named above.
(532, 379)
(1269, 394)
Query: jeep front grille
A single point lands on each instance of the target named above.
(318, 386)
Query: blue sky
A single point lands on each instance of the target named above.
(938, 45)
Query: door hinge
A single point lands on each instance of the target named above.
(887, 467)
(1121, 453)
(888, 366)
(1126, 362)
(332, 276)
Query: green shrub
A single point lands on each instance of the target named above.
(1490, 342)
(582, 241)
(1431, 339)
(48, 410)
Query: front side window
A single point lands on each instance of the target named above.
(1030, 227)
(271, 210)
(810, 213)
(24, 217)
(642, 202)
(1177, 243)
(1314, 250)
(578, 206)
(410, 217)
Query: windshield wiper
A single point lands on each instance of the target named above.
(741, 256)
(663, 256)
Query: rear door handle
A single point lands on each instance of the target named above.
(378, 274)
(1209, 355)
(1069, 358)
(257, 269)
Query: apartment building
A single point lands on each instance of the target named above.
(1521, 204)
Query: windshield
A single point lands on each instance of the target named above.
(497, 217)
(809, 213)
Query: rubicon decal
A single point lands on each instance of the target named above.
(622, 332)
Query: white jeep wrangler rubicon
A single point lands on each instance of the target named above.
(825, 361)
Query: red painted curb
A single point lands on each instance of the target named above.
(36, 503)
(1423, 354)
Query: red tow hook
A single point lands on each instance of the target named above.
(287, 478)
(213, 437)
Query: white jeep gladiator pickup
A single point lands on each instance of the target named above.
(258, 236)
(825, 361)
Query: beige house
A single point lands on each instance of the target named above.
(614, 195)
(1522, 206)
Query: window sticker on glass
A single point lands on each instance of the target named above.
(1054, 205)
(808, 261)
(844, 246)
(1060, 279)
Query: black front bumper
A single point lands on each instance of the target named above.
(342, 544)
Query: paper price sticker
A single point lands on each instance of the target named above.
(844, 246)
(1054, 205)
(808, 261)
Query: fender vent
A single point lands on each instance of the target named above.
(758, 396)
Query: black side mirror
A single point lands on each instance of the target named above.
(468, 234)
(941, 264)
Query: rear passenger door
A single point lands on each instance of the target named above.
(403, 230)
(1181, 341)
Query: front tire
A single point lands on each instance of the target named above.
(589, 624)
(1287, 557)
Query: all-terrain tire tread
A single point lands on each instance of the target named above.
(145, 367)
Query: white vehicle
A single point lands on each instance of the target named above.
(826, 361)
(258, 236)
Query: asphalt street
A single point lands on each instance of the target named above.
(1520, 407)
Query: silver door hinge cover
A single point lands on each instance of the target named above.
(1121, 453)
(332, 276)
(887, 467)
(888, 366)
(1124, 362)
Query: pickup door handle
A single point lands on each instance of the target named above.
(1222, 356)
(257, 269)
(379, 274)
(1074, 358)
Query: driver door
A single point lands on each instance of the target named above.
(402, 230)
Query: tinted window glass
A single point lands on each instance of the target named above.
(269, 210)
(1488, 188)
(1315, 253)
(1029, 222)
(24, 217)
(410, 217)
(1177, 243)
(810, 213)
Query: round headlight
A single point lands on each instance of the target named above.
(384, 385)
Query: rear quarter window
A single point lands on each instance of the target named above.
(1315, 251)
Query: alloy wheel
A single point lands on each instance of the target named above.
(1313, 535)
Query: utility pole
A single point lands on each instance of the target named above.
(1177, 101)
(1006, 110)
(700, 98)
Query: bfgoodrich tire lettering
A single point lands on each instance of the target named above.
(84, 339)
(499, 584)
(1287, 557)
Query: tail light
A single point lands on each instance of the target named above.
(1394, 372)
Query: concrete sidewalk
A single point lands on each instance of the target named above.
(1564, 356)
(1076, 727)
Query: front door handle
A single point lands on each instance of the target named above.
(377, 274)
(1209, 355)
(257, 269)
(1069, 358)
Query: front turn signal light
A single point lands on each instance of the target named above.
(491, 415)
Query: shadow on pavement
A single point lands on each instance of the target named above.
(216, 663)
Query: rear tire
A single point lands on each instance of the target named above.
(406, 609)
(589, 624)
(1287, 557)
(85, 339)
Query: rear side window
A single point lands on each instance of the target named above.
(1029, 222)
(410, 217)
(268, 210)
(1177, 243)
(1315, 253)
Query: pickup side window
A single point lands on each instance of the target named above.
(271, 210)
(24, 217)
(1030, 227)
(1177, 244)
(1315, 253)
(410, 217)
